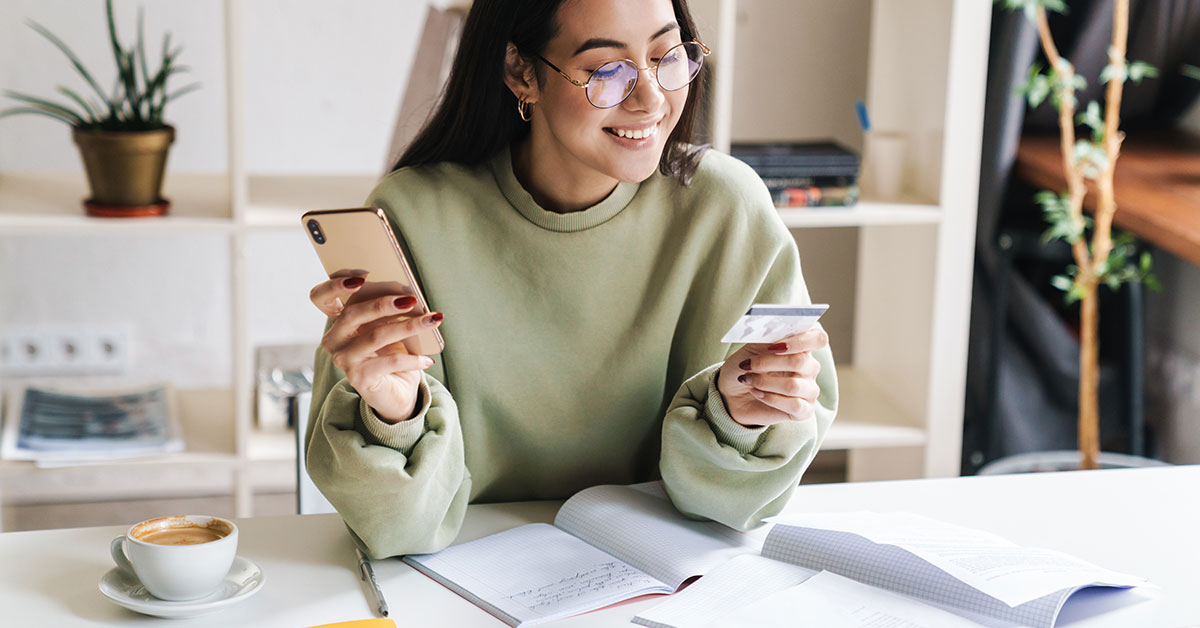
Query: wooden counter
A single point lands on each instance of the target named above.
(1157, 185)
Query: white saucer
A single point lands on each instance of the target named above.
(244, 580)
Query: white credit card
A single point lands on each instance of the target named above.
(772, 323)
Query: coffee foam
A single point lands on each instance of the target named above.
(154, 527)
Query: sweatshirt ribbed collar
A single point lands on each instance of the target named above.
(523, 202)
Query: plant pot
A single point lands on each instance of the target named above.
(125, 171)
(1063, 460)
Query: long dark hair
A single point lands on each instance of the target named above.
(477, 115)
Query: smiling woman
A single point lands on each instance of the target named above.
(502, 40)
(582, 258)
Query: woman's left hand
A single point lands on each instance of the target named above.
(765, 384)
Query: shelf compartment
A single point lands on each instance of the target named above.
(206, 468)
(277, 201)
(52, 203)
(865, 213)
(867, 418)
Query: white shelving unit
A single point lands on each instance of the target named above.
(901, 389)
(925, 68)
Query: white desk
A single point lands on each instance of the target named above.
(1144, 522)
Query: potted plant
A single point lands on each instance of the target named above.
(122, 138)
(1100, 259)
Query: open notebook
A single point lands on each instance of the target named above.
(607, 544)
(613, 543)
(970, 573)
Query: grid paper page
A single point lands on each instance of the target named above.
(654, 488)
(828, 600)
(535, 573)
(649, 533)
(895, 569)
(741, 581)
(990, 563)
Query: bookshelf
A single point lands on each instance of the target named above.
(901, 385)
(920, 66)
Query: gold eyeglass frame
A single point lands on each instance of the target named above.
(639, 72)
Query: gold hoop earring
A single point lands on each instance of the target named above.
(523, 109)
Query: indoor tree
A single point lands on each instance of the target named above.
(1100, 259)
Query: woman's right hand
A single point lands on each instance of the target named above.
(365, 343)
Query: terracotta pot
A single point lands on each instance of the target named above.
(125, 170)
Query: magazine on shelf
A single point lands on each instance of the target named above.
(55, 424)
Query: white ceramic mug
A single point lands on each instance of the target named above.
(177, 558)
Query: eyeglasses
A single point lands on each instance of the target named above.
(610, 84)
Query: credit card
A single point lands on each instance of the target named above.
(772, 323)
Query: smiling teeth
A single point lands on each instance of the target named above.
(635, 134)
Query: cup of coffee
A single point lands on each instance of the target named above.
(177, 558)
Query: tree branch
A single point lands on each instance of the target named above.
(1102, 236)
(1076, 189)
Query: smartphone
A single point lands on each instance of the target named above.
(359, 242)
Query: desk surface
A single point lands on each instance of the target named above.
(1142, 521)
(1157, 185)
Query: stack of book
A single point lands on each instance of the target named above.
(804, 174)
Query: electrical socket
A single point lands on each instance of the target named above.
(65, 349)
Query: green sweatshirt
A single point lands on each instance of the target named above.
(581, 349)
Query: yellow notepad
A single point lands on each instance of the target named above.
(360, 623)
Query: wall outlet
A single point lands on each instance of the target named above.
(65, 349)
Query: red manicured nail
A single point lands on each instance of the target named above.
(745, 365)
(779, 346)
(742, 378)
(353, 282)
(436, 317)
(403, 303)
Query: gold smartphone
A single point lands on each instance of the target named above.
(359, 241)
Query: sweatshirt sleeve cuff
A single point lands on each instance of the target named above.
(729, 432)
(402, 436)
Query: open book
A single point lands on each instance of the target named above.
(613, 543)
(867, 558)
(607, 544)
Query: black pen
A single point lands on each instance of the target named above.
(368, 575)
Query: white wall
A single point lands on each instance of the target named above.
(32, 65)
(170, 291)
(324, 81)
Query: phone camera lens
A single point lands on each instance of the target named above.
(314, 228)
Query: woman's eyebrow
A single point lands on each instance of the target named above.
(597, 42)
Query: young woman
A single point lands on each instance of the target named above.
(587, 258)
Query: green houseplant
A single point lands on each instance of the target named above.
(1100, 259)
(122, 137)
